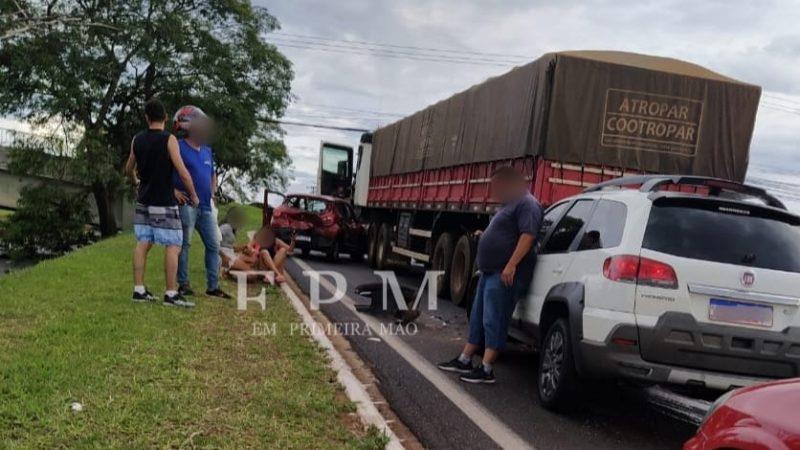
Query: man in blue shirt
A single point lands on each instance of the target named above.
(199, 160)
(505, 260)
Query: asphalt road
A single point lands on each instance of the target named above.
(611, 416)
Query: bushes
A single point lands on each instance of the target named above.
(49, 221)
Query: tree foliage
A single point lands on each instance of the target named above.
(48, 221)
(95, 79)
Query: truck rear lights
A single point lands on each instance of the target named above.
(643, 271)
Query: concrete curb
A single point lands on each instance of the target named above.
(353, 388)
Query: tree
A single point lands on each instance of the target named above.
(95, 79)
(49, 220)
(16, 19)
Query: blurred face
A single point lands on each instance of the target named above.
(201, 130)
(506, 190)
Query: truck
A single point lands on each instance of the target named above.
(567, 121)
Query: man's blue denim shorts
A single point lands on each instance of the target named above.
(158, 224)
(492, 308)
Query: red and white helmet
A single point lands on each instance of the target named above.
(186, 115)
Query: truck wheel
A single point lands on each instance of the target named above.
(372, 244)
(383, 247)
(557, 375)
(442, 258)
(461, 269)
(332, 253)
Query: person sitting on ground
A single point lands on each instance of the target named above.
(273, 252)
(234, 219)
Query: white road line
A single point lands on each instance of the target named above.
(353, 388)
(482, 417)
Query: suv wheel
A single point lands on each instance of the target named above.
(382, 248)
(557, 376)
(442, 258)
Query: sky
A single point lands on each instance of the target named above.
(339, 82)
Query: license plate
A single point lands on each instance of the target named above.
(301, 238)
(742, 313)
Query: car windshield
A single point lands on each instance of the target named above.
(725, 233)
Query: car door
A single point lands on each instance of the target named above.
(554, 254)
(288, 213)
(348, 224)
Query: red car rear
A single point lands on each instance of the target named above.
(761, 417)
(320, 223)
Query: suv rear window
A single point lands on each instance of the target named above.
(725, 233)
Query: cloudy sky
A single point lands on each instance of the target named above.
(363, 63)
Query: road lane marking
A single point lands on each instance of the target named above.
(355, 391)
(484, 419)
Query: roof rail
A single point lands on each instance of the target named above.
(650, 183)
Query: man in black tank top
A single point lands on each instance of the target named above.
(153, 158)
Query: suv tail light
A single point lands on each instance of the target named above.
(644, 271)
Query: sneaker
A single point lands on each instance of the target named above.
(218, 293)
(478, 375)
(143, 298)
(177, 300)
(185, 290)
(455, 365)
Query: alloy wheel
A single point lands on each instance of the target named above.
(552, 364)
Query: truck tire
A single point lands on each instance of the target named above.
(557, 376)
(372, 243)
(383, 247)
(441, 260)
(461, 269)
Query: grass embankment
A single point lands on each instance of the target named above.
(151, 376)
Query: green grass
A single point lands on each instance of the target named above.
(5, 213)
(151, 376)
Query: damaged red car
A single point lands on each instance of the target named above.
(322, 223)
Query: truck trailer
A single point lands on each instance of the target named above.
(567, 121)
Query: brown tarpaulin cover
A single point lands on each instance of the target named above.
(596, 107)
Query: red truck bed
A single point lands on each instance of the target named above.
(466, 187)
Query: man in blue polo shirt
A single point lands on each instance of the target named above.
(193, 123)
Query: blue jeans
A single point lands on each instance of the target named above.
(206, 224)
(492, 309)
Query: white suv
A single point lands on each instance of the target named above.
(685, 280)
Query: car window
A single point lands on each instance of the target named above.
(315, 206)
(605, 227)
(740, 235)
(568, 227)
(550, 217)
(294, 202)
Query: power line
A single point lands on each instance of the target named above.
(407, 47)
(392, 55)
(316, 125)
(780, 108)
(446, 57)
(781, 100)
(342, 108)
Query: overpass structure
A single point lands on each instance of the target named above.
(11, 184)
